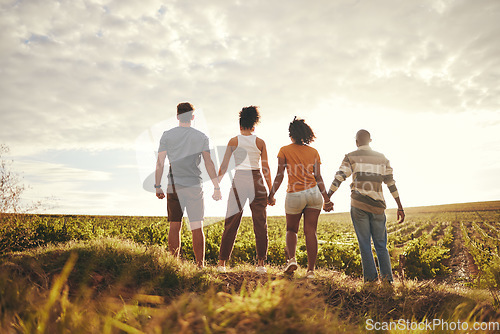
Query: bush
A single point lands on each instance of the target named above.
(342, 256)
(424, 262)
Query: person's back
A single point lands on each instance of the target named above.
(369, 169)
(184, 146)
(300, 160)
(305, 192)
(247, 154)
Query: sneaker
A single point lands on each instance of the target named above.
(291, 266)
(221, 269)
(310, 274)
(261, 270)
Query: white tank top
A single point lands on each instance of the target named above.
(247, 154)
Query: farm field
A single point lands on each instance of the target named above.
(113, 274)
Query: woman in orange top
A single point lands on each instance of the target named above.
(304, 193)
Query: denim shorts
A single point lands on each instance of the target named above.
(311, 198)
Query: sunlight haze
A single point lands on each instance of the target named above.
(88, 87)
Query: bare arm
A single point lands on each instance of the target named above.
(209, 165)
(277, 180)
(160, 166)
(231, 146)
(266, 171)
(328, 206)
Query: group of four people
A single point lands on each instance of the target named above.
(306, 193)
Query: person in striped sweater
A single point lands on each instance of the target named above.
(369, 169)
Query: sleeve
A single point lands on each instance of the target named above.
(281, 153)
(345, 170)
(163, 143)
(206, 144)
(317, 157)
(389, 180)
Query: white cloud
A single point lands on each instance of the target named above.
(89, 74)
(93, 75)
(52, 179)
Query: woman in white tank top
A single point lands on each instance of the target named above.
(249, 152)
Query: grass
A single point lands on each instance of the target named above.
(117, 286)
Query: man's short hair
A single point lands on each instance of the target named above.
(185, 112)
(363, 136)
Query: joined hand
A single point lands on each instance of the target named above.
(217, 195)
(328, 206)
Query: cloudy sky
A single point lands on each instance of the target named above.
(87, 88)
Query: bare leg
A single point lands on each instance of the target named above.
(174, 238)
(292, 227)
(310, 227)
(199, 246)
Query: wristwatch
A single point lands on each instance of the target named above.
(157, 186)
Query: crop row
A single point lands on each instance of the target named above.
(423, 261)
(404, 235)
(493, 244)
(485, 258)
(425, 253)
(494, 229)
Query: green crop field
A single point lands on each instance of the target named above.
(113, 274)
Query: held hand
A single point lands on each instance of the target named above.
(328, 206)
(401, 216)
(271, 200)
(217, 195)
(160, 194)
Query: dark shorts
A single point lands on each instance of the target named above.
(188, 198)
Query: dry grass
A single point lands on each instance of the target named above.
(116, 286)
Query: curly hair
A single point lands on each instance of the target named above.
(249, 117)
(300, 132)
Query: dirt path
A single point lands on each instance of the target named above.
(461, 262)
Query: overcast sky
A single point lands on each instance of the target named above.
(87, 88)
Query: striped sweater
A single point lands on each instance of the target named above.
(368, 169)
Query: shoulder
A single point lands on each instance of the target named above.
(356, 155)
(283, 150)
(378, 155)
(198, 133)
(286, 148)
(260, 143)
(233, 141)
(166, 134)
(312, 149)
(312, 153)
